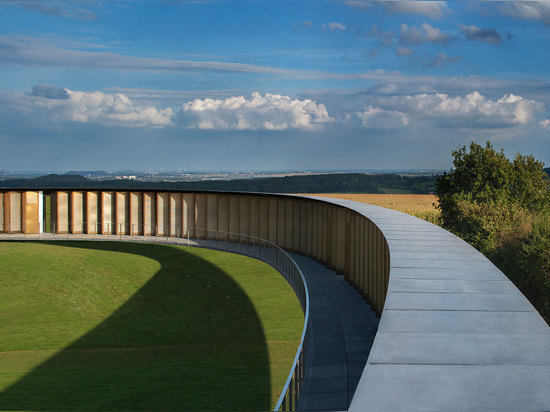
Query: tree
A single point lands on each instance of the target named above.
(486, 195)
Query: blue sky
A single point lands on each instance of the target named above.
(222, 85)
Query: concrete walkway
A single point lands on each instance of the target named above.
(342, 329)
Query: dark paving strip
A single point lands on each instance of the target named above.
(342, 329)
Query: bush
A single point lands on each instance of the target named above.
(501, 207)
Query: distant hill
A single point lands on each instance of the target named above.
(547, 170)
(88, 173)
(328, 183)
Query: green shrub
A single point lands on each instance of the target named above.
(501, 207)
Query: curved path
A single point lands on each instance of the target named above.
(342, 327)
(455, 333)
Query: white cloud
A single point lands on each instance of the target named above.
(377, 118)
(470, 111)
(528, 10)
(424, 34)
(433, 9)
(268, 112)
(545, 123)
(336, 26)
(58, 105)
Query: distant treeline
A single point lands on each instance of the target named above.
(327, 183)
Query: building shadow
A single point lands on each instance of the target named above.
(188, 339)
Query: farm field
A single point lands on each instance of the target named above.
(421, 206)
(105, 326)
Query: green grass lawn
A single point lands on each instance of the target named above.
(110, 326)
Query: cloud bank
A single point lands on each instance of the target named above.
(268, 112)
(433, 9)
(472, 111)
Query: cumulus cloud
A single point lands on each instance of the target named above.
(377, 118)
(476, 34)
(470, 111)
(545, 123)
(116, 109)
(433, 9)
(528, 10)
(336, 26)
(268, 112)
(424, 34)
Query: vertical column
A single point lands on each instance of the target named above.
(289, 221)
(329, 237)
(264, 218)
(149, 214)
(188, 213)
(273, 226)
(176, 215)
(234, 215)
(309, 227)
(303, 226)
(314, 230)
(340, 241)
(244, 216)
(200, 215)
(13, 215)
(2, 212)
(370, 267)
(223, 214)
(281, 222)
(136, 213)
(92, 212)
(30, 209)
(62, 209)
(121, 215)
(108, 213)
(254, 216)
(296, 225)
(212, 215)
(163, 214)
(347, 245)
(77, 212)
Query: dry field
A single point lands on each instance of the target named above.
(422, 206)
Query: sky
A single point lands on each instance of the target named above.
(270, 84)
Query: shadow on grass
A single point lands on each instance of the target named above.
(176, 344)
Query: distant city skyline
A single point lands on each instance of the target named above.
(270, 85)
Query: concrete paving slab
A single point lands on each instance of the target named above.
(451, 286)
(402, 321)
(461, 349)
(431, 388)
(457, 301)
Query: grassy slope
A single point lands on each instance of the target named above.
(141, 327)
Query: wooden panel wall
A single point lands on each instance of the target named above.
(2, 213)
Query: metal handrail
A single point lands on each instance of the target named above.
(212, 239)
